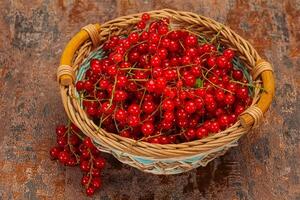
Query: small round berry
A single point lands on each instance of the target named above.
(190, 134)
(228, 53)
(201, 132)
(221, 61)
(99, 163)
(90, 191)
(133, 120)
(145, 17)
(79, 86)
(168, 105)
(63, 157)
(237, 75)
(190, 107)
(85, 166)
(54, 152)
(96, 182)
(60, 130)
(141, 25)
(191, 41)
(148, 107)
(147, 128)
(85, 180)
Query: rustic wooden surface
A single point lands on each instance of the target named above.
(33, 34)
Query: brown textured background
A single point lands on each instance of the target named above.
(32, 36)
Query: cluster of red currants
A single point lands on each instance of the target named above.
(73, 150)
(163, 86)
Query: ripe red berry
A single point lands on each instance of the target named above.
(85, 166)
(99, 163)
(223, 121)
(147, 128)
(214, 127)
(88, 86)
(191, 41)
(85, 180)
(133, 37)
(189, 80)
(120, 95)
(90, 191)
(141, 25)
(145, 17)
(79, 86)
(63, 157)
(121, 115)
(168, 105)
(201, 132)
(237, 75)
(88, 142)
(221, 61)
(150, 86)
(133, 120)
(229, 99)
(190, 134)
(190, 107)
(54, 152)
(228, 53)
(60, 130)
(96, 182)
(148, 107)
(155, 61)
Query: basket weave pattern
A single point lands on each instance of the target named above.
(170, 158)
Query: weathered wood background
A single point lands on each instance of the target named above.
(33, 34)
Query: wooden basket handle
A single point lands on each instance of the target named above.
(65, 73)
(254, 114)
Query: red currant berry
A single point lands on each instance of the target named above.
(229, 99)
(191, 41)
(133, 37)
(133, 120)
(99, 163)
(190, 134)
(221, 61)
(141, 25)
(85, 180)
(223, 121)
(88, 142)
(145, 17)
(147, 129)
(190, 107)
(148, 107)
(121, 115)
(228, 53)
(54, 152)
(90, 191)
(201, 132)
(237, 75)
(96, 182)
(168, 105)
(60, 130)
(85, 166)
(63, 157)
(150, 86)
(79, 86)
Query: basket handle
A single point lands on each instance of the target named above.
(254, 113)
(65, 72)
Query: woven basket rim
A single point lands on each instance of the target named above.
(119, 142)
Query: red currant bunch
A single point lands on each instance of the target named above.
(164, 85)
(73, 150)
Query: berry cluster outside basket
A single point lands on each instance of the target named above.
(157, 158)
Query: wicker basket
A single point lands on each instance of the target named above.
(170, 158)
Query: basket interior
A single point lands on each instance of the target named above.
(207, 29)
